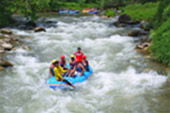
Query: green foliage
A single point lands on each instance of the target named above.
(5, 12)
(162, 14)
(161, 43)
(29, 8)
(141, 11)
(110, 13)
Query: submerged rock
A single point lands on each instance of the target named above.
(26, 48)
(6, 31)
(39, 29)
(5, 63)
(137, 33)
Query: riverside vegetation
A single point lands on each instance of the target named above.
(155, 12)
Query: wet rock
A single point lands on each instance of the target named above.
(1, 68)
(7, 46)
(26, 48)
(39, 29)
(5, 63)
(143, 45)
(1, 41)
(7, 40)
(145, 25)
(6, 31)
(143, 48)
(124, 18)
(6, 36)
(29, 25)
(117, 24)
(133, 22)
(2, 50)
(137, 33)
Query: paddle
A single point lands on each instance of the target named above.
(67, 82)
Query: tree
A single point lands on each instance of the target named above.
(5, 12)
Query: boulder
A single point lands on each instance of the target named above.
(6, 31)
(124, 18)
(14, 37)
(143, 46)
(5, 63)
(7, 40)
(6, 36)
(2, 41)
(7, 46)
(1, 68)
(39, 29)
(134, 33)
(2, 50)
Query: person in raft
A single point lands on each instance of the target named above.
(72, 64)
(63, 64)
(85, 63)
(58, 72)
(78, 68)
(78, 54)
(52, 67)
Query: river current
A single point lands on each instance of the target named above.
(120, 83)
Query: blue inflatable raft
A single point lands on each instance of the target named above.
(53, 83)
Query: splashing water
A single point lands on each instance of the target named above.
(117, 86)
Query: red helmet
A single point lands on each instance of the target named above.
(62, 57)
(84, 57)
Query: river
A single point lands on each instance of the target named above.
(120, 83)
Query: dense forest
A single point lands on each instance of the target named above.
(156, 12)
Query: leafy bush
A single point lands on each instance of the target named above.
(109, 13)
(162, 14)
(141, 11)
(161, 43)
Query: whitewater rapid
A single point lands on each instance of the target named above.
(119, 83)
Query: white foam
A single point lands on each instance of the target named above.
(106, 90)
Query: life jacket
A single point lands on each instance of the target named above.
(87, 65)
(51, 69)
(79, 56)
(86, 61)
(72, 64)
(63, 64)
(78, 69)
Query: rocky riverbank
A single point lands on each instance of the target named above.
(8, 41)
(142, 33)
(140, 30)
